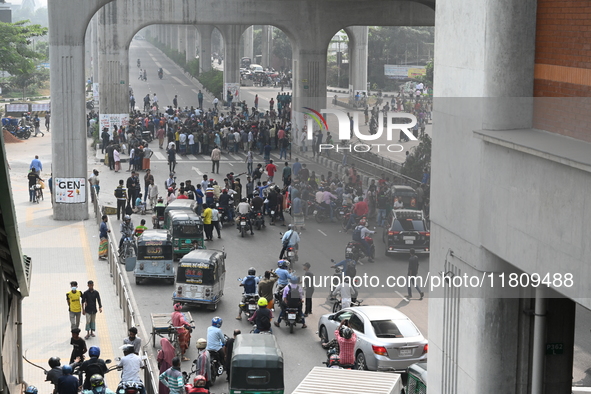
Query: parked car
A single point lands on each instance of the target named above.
(407, 230)
(387, 340)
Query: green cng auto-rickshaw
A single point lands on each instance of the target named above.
(154, 256)
(256, 365)
(180, 205)
(186, 230)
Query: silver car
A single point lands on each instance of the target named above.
(387, 339)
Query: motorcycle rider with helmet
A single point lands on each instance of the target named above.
(346, 338)
(97, 386)
(216, 340)
(291, 238)
(56, 371)
(359, 235)
(262, 317)
(130, 365)
(203, 362)
(93, 366)
(67, 383)
(127, 229)
(198, 386)
(250, 284)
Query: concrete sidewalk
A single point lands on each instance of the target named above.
(61, 252)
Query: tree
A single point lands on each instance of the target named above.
(282, 47)
(16, 55)
(418, 159)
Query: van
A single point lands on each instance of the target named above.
(256, 68)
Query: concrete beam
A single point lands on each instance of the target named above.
(205, 47)
(358, 36)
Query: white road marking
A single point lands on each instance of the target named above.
(159, 155)
(166, 71)
(179, 81)
(191, 157)
(197, 170)
(401, 296)
(231, 164)
(322, 232)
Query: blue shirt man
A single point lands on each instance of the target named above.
(36, 164)
(296, 167)
(283, 275)
(215, 339)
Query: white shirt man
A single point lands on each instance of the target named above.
(346, 291)
(131, 364)
(243, 208)
(191, 139)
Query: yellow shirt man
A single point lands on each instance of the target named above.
(206, 216)
(74, 305)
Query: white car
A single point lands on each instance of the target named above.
(387, 340)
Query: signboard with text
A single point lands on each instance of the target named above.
(394, 71)
(70, 190)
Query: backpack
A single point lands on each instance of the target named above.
(351, 270)
(250, 285)
(119, 192)
(357, 234)
(293, 297)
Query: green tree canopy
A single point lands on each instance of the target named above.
(16, 55)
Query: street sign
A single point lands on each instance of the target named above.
(70, 190)
(554, 349)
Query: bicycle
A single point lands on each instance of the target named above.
(337, 306)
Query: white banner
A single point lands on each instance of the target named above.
(234, 88)
(110, 120)
(70, 190)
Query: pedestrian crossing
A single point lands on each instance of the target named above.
(239, 157)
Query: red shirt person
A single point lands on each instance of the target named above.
(271, 169)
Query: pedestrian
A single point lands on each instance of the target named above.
(286, 175)
(413, 271)
(164, 360)
(117, 158)
(249, 161)
(37, 125)
(73, 297)
(256, 101)
(171, 151)
(121, 195)
(36, 164)
(175, 101)
(78, 345)
(133, 340)
(200, 99)
(215, 221)
(207, 226)
(160, 135)
(47, 120)
(271, 169)
(172, 378)
(104, 238)
(94, 183)
(148, 180)
(90, 299)
(216, 155)
(308, 281)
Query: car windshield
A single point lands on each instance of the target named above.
(407, 225)
(394, 329)
(186, 229)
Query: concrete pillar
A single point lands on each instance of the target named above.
(248, 37)
(95, 49)
(190, 41)
(232, 34)
(68, 123)
(358, 57)
(205, 47)
(114, 60)
(267, 40)
(88, 51)
(174, 39)
(181, 41)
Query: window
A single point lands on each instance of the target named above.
(394, 329)
(407, 225)
(163, 252)
(343, 316)
(356, 323)
(258, 377)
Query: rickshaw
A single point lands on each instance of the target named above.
(200, 278)
(256, 365)
(154, 256)
(180, 205)
(417, 379)
(186, 231)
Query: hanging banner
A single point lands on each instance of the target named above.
(234, 88)
(70, 190)
(110, 120)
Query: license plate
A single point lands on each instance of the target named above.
(409, 242)
(315, 212)
(252, 307)
(291, 316)
(342, 213)
(154, 263)
(290, 253)
(243, 223)
(405, 352)
(409, 238)
(194, 288)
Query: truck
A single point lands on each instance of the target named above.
(322, 380)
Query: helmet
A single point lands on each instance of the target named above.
(362, 222)
(127, 217)
(295, 279)
(335, 359)
(217, 322)
(94, 351)
(283, 264)
(178, 306)
(346, 332)
(31, 390)
(170, 189)
(127, 349)
(290, 226)
(67, 370)
(54, 362)
(160, 199)
(252, 271)
(97, 380)
(201, 343)
(199, 381)
(263, 301)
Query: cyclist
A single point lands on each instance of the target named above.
(183, 329)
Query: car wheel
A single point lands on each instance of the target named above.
(361, 362)
(323, 335)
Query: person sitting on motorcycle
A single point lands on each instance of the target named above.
(216, 339)
(158, 212)
(250, 284)
(266, 287)
(257, 206)
(130, 365)
(198, 386)
(346, 338)
(359, 235)
(56, 370)
(291, 238)
(244, 209)
(262, 317)
(139, 230)
(93, 366)
(282, 273)
(347, 291)
(359, 210)
(67, 383)
(293, 297)
(126, 229)
(97, 386)
(224, 202)
(183, 329)
(203, 361)
(327, 203)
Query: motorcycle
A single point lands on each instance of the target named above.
(249, 303)
(217, 368)
(259, 219)
(243, 225)
(322, 212)
(291, 255)
(160, 74)
(224, 215)
(293, 317)
(128, 249)
(356, 251)
(147, 136)
(159, 222)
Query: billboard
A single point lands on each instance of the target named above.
(394, 71)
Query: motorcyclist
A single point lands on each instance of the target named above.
(282, 273)
(250, 284)
(158, 212)
(130, 365)
(359, 210)
(198, 386)
(257, 206)
(359, 235)
(216, 340)
(327, 203)
(224, 202)
(127, 229)
(266, 287)
(262, 317)
(67, 383)
(291, 238)
(203, 361)
(93, 366)
(244, 209)
(56, 370)
(31, 390)
(97, 386)
(347, 291)
(346, 339)
(183, 329)
(293, 297)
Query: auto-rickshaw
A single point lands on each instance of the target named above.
(154, 256)
(417, 379)
(186, 230)
(200, 278)
(256, 365)
(180, 205)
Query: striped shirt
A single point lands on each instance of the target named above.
(173, 379)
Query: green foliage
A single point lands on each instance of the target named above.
(213, 80)
(16, 54)
(192, 67)
(282, 47)
(428, 77)
(418, 159)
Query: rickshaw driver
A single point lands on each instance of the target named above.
(250, 284)
(216, 340)
(183, 329)
(158, 211)
(127, 229)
